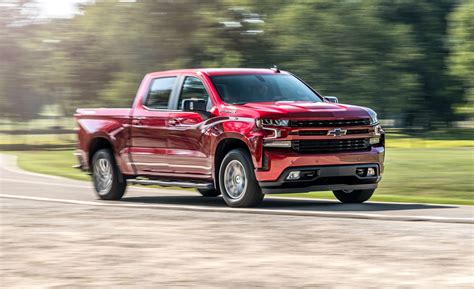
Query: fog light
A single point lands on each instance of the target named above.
(360, 172)
(293, 175)
(370, 172)
(374, 140)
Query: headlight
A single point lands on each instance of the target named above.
(374, 140)
(373, 117)
(275, 122)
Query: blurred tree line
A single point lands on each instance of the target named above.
(410, 60)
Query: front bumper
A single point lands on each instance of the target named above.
(324, 178)
(81, 161)
(276, 161)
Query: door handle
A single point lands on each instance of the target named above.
(173, 121)
(137, 122)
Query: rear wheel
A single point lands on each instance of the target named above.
(209, 193)
(353, 196)
(108, 181)
(237, 181)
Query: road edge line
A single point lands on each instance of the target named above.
(255, 211)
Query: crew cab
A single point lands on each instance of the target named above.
(239, 133)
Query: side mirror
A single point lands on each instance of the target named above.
(332, 99)
(194, 104)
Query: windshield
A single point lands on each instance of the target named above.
(240, 89)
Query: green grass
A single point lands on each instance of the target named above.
(42, 123)
(11, 141)
(58, 163)
(423, 175)
(40, 139)
(400, 140)
(409, 142)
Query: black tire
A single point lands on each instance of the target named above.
(118, 184)
(209, 193)
(251, 194)
(356, 196)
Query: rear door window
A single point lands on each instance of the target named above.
(159, 93)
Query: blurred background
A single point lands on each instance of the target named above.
(410, 60)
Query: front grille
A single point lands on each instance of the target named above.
(329, 123)
(313, 132)
(328, 146)
(357, 131)
(325, 132)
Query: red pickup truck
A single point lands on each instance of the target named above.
(239, 133)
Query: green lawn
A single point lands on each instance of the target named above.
(426, 175)
(45, 123)
(37, 139)
(53, 162)
(10, 140)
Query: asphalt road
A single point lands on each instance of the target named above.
(55, 233)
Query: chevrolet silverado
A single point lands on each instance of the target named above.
(239, 133)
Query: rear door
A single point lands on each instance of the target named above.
(187, 144)
(149, 130)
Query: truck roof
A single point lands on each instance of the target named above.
(220, 71)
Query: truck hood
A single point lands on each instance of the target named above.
(303, 110)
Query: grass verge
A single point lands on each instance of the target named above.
(54, 162)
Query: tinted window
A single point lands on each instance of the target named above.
(235, 89)
(193, 88)
(159, 93)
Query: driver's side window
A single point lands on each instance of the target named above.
(193, 88)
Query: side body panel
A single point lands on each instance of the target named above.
(112, 125)
(148, 143)
(188, 146)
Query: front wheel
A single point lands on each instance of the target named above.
(353, 196)
(108, 181)
(237, 180)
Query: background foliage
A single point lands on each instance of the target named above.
(412, 61)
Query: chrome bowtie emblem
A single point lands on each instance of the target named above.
(337, 132)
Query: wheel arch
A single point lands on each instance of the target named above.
(97, 144)
(223, 147)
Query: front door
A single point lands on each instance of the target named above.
(188, 149)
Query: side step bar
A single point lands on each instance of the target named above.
(207, 186)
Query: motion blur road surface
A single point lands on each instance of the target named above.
(54, 233)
